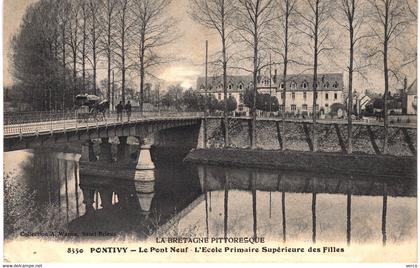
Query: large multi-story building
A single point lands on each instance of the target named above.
(299, 90)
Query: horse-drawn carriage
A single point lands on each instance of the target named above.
(90, 107)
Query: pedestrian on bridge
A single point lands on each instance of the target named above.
(128, 110)
(119, 108)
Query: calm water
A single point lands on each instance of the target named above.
(45, 192)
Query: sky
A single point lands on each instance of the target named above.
(189, 49)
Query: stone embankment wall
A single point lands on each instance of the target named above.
(298, 135)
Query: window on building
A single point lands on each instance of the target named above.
(316, 95)
(327, 85)
(230, 86)
(304, 107)
(304, 85)
(282, 95)
(240, 107)
(282, 85)
(280, 107)
(335, 96)
(241, 86)
(326, 96)
(326, 105)
(304, 95)
(293, 107)
(293, 95)
(230, 95)
(335, 85)
(241, 97)
(219, 96)
(293, 85)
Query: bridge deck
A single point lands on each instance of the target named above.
(72, 124)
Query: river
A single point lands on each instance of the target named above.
(44, 192)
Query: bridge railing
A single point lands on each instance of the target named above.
(35, 122)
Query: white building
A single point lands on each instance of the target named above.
(411, 96)
(299, 90)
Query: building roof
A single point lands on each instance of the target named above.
(326, 81)
(215, 83)
(412, 89)
(294, 82)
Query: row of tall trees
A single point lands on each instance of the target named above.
(62, 45)
(305, 33)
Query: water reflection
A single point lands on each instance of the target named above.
(302, 206)
(47, 193)
(41, 192)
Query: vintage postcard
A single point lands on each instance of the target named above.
(248, 131)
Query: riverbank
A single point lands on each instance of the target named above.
(402, 167)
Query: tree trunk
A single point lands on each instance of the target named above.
(386, 77)
(255, 71)
(226, 118)
(109, 57)
(350, 102)
(123, 59)
(286, 50)
(64, 64)
(226, 138)
(141, 101)
(84, 52)
(314, 81)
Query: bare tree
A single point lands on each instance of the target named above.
(314, 19)
(83, 52)
(351, 16)
(392, 18)
(107, 19)
(95, 35)
(154, 29)
(124, 24)
(74, 41)
(287, 14)
(64, 9)
(217, 15)
(255, 19)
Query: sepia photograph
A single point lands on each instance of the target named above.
(235, 131)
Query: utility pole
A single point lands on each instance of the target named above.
(205, 98)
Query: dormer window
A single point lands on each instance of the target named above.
(230, 86)
(327, 85)
(293, 85)
(282, 86)
(304, 85)
(241, 86)
(335, 85)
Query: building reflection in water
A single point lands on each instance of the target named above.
(236, 191)
(222, 201)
